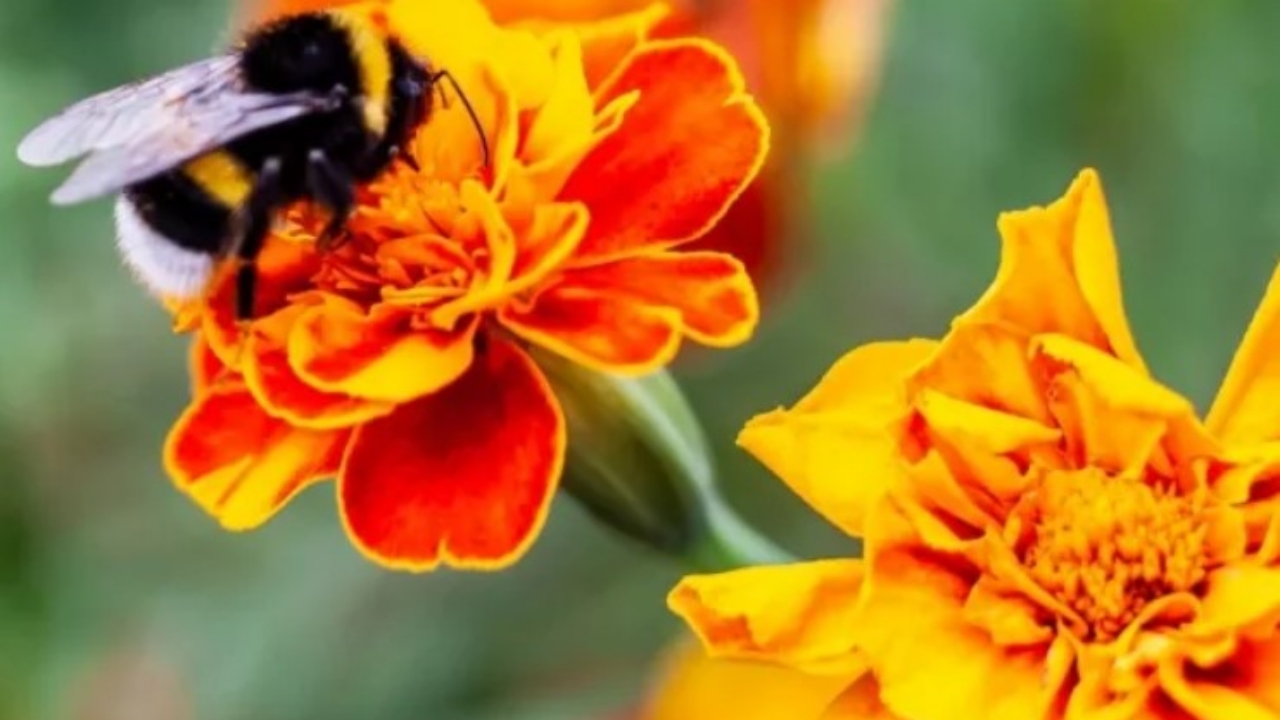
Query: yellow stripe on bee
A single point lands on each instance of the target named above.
(374, 60)
(222, 176)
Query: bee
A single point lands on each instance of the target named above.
(203, 156)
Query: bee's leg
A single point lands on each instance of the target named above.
(256, 218)
(333, 188)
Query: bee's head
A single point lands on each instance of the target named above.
(308, 52)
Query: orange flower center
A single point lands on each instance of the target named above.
(1106, 546)
(412, 243)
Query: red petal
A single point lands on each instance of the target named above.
(712, 292)
(464, 476)
(681, 155)
(761, 231)
(204, 365)
(284, 395)
(602, 330)
(242, 465)
(284, 267)
(337, 348)
(606, 43)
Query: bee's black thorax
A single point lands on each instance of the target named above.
(389, 96)
(305, 52)
(177, 208)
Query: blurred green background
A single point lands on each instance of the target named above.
(117, 592)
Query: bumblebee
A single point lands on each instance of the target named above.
(305, 107)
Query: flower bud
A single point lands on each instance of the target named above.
(639, 462)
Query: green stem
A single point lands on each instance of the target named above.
(731, 543)
(639, 462)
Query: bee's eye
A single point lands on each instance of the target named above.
(410, 87)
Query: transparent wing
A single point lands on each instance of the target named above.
(138, 131)
(199, 130)
(121, 115)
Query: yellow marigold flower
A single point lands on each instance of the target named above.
(398, 361)
(1049, 532)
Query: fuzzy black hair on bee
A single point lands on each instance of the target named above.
(305, 107)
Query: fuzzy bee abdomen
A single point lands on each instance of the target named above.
(171, 233)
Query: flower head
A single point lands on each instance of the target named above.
(1048, 531)
(395, 360)
(814, 65)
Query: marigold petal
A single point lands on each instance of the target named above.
(548, 239)
(838, 448)
(992, 431)
(799, 615)
(915, 600)
(265, 369)
(1007, 616)
(608, 42)
(501, 71)
(203, 364)
(283, 394)
(948, 509)
(684, 152)
(860, 701)
(1240, 595)
(991, 484)
(1245, 410)
(1252, 672)
(547, 176)
(1262, 530)
(1210, 700)
(240, 464)
(284, 267)
(600, 330)
(337, 348)
(565, 121)
(1058, 273)
(1094, 696)
(693, 686)
(1115, 415)
(712, 291)
(985, 364)
(760, 230)
(1097, 269)
(461, 36)
(462, 477)
(548, 234)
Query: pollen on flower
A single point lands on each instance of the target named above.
(1106, 546)
(413, 244)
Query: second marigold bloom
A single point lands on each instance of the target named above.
(1049, 532)
(394, 361)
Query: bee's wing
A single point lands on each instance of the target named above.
(118, 116)
(198, 129)
(138, 131)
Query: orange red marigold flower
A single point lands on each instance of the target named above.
(814, 65)
(395, 361)
(1049, 532)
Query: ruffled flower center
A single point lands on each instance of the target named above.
(1107, 546)
(413, 242)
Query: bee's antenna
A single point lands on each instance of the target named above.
(475, 119)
